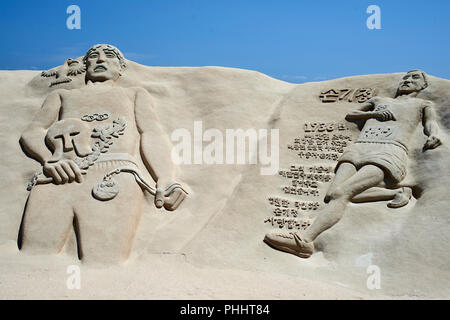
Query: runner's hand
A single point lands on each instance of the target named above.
(385, 115)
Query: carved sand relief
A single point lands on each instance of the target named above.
(359, 95)
(84, 181)
(374, 166)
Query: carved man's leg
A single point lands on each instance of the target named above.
(47, 220)
(107, 228)
(400, 197)
(344, 172)
(375, 194)
(366, 177)
(301, 243)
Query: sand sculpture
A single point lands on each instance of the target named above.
(59, 197)
(376, 160)
(91, 181)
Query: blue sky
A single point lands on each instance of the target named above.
(292, 40)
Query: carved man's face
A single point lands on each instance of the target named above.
(102, 64)
(413, 81)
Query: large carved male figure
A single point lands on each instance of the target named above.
(89, 142)
(377, 159)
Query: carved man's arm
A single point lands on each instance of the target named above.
(155, 144)
(33, 137)
(366, 112)
(431, 127)
(33, 141)
(362, 112)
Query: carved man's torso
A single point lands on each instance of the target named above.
(407, 112)
(99, 104)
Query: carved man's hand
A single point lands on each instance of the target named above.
(167, 196)
(385, 115)
(174, 199)
(63, 171)
(432, 142)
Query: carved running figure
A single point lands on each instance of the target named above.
(377, 159)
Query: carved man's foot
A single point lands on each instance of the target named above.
(401, 198)
(291, 242)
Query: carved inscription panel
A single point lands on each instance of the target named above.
(303, 184)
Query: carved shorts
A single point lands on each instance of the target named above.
(390, 157)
